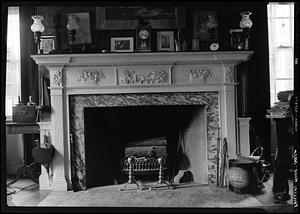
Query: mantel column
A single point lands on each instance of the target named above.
(228, 110)
(58, 128)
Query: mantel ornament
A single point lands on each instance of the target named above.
(157, 76)
(229, 74)
(198, 74)
(92, 75)
(57, 78)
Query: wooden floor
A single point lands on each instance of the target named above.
(26, 193)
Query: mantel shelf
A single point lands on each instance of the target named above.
(143, 58)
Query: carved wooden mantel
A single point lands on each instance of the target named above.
(116, 73)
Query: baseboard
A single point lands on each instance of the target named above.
(59, 184)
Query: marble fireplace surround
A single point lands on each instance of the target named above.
(205, 146)
(205, 78)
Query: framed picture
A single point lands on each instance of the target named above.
(121, 44)
(116, 18)
(165, 41)
(83, 33)
(195, 44)
(236, 39)
(205, 25)
(47, 44)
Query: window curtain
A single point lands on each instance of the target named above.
(29, 70)
(13, 63)
(3, 67)
(258, 78)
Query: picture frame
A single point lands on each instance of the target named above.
(117, 18)
(165, 41)
(236, 39)
(83, 33)
(47, 44)
(205, 25)
(195, 44)
(121, 44)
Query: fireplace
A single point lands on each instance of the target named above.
(136, 116)
(111, 130)
(85, 88)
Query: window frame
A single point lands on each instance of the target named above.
(274, 49)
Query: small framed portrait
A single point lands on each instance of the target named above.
(121, 44)
(47, 44)
(195, 44)
(165, 41)
(236, 39)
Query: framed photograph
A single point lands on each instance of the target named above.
(121, 44)
(205, 25)
(83, 33)
(236, 39)
(195, 44)
(116, 18)
(165, 41)
(47, 44)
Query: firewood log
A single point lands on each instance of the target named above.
(146, 151)
(159, 141)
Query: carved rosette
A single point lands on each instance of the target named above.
(198, 74)
(57, 78)
(91, 75)
(229, 74)
(131, 77)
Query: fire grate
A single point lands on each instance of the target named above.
(141, 164)
(133, 165)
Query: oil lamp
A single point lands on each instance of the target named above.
(246, 24)
(72, 27)
(37, 28)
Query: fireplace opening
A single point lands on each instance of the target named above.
(109, 130)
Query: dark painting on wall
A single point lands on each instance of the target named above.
(83, 33)
(133, 13)
(205, 25)
(116, 18)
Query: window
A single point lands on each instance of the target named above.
(281, 47)
(13, 65)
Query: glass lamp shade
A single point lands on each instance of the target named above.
(37, 25)
(73, 21)
(246, 21)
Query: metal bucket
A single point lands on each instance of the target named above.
(240, 175)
